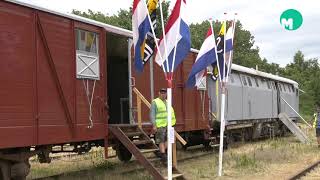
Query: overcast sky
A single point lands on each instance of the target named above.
(260, 17)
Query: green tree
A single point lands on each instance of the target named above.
(123, 18)
(307, 74)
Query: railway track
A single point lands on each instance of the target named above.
(305, 172)
(192, 154)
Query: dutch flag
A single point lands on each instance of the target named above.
(206, 57)
(140, 27)
(176, 26)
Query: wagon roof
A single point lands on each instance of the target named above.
(128, 34)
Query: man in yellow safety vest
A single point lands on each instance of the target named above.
(158, 116)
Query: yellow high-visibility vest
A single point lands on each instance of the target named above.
(315, 115)
(161, 116)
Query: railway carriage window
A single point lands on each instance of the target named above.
(274, 85)
(87, 54)
(284, 88)
(289, 89)
(87, 41)
(256, 80)
(249, 81)
(292, 88)
(268, 84)
(244, 80)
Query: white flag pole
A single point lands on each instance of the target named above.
(222, 114)
(170, 129)
(169, 93)
(170, 133)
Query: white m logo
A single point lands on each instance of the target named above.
(287, 23)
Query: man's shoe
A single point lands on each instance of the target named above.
(164, 158)
(158, 154)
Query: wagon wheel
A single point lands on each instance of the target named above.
(248, 134)
(20, 170)
(14, 170)
(123, 154)
(5, 173)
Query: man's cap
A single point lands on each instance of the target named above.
(163, 90)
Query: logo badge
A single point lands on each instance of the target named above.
(291, 19)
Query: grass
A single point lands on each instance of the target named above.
(276, 158)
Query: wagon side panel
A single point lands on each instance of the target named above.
(17, 105)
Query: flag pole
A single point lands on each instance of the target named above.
(169, 98)
(231, 54)
(222, 116)
(170, 129)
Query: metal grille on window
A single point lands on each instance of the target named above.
(203, 84)
(87, 55)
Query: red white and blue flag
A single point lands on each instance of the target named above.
(177, 25)
(140, 27)
(206, 57)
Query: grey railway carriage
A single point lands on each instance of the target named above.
(253, 101)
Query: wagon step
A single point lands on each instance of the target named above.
(141, 142)
(148, 150)
(139, 147)
(132, 134)
(174, 176)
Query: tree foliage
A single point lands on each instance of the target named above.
(305, 72)
(123, 18)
